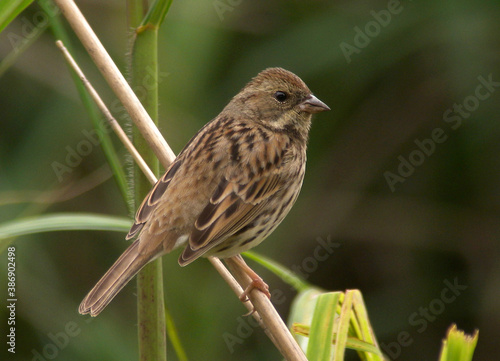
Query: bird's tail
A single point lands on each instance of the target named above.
(120, 273)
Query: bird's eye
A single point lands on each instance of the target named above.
(280, 96)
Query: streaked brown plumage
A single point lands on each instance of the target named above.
(230, 186)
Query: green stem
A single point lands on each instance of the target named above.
(144, 73)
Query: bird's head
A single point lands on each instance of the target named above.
(278, 99)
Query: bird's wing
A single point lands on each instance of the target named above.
(240, 196)
(150, 202)
(152, 199)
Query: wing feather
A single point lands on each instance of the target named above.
(229, 210)
(151, 200)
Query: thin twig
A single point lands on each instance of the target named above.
(107, 114)
(116, 81)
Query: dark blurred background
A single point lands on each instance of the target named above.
(402, 177)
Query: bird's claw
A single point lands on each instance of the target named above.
(258, 284)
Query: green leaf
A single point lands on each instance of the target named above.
(61, 222)
(341, 326)
(458, 346)
(361, 328)
(344, 323)
(156, 13)
(352, 342)
(9, 9)
(322, 327)
(301, 312)
(20, 42)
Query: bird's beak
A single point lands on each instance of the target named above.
(311, 104)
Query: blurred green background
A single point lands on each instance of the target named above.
(420, 241)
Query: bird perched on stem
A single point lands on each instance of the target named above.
(228, 189)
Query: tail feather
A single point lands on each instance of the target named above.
(120, 273)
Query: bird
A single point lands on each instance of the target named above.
(228, 189)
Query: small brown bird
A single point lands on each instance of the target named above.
(230, 186)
